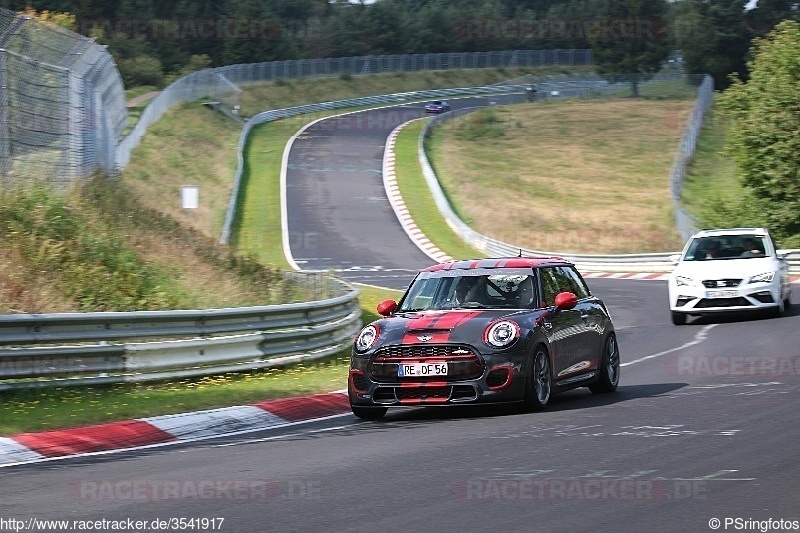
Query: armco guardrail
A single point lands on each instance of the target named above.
(172, 344)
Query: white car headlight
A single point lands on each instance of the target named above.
(502, 333)
(766, 277)
(682, 281)
(367, 338)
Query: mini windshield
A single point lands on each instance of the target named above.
(727, 247)
(470, 291)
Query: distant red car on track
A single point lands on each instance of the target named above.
(493, 330)
(437, 106)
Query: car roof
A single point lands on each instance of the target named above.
(501, 262)
(729, 231)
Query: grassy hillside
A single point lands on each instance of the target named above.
(566, 176)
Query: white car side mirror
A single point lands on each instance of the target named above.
(675, 259)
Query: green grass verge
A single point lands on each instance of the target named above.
(711, 175)
(566, 176)
(418, 199)
(257, 229)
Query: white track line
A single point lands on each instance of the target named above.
(699, 337)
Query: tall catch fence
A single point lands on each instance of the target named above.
(686, 223)
(62, 103)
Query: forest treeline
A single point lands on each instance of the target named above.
(154, 41)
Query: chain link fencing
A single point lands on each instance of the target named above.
(687, 223)
(62, 103)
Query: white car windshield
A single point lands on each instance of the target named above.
(470, 291)
(722, 247)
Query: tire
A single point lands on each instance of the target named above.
(678, 319)
(368, 413)
(539, 387)
(609, 368)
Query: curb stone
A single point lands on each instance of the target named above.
(161, 430)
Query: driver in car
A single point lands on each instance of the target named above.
(468, 289)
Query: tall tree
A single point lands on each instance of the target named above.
(768, 13)
(254, 36)
(630, 42)
(713, 37)
(764, 137)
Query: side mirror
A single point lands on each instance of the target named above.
(675, 259)
(565, 301)
(387, 307)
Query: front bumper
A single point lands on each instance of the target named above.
(745, 297)
(479, 378)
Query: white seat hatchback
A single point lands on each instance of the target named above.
(729, 270)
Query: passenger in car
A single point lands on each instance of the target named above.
(712, 249)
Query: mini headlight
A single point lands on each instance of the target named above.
(502, 333)
(681, 281)
(766, 277)
(367, 338)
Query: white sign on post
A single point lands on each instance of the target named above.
(190, 196)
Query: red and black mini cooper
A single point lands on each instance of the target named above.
(494, 330)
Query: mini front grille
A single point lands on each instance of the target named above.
(722, 302)
(386, 372)
(425, 350)
(462, 362)
(715, 283)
